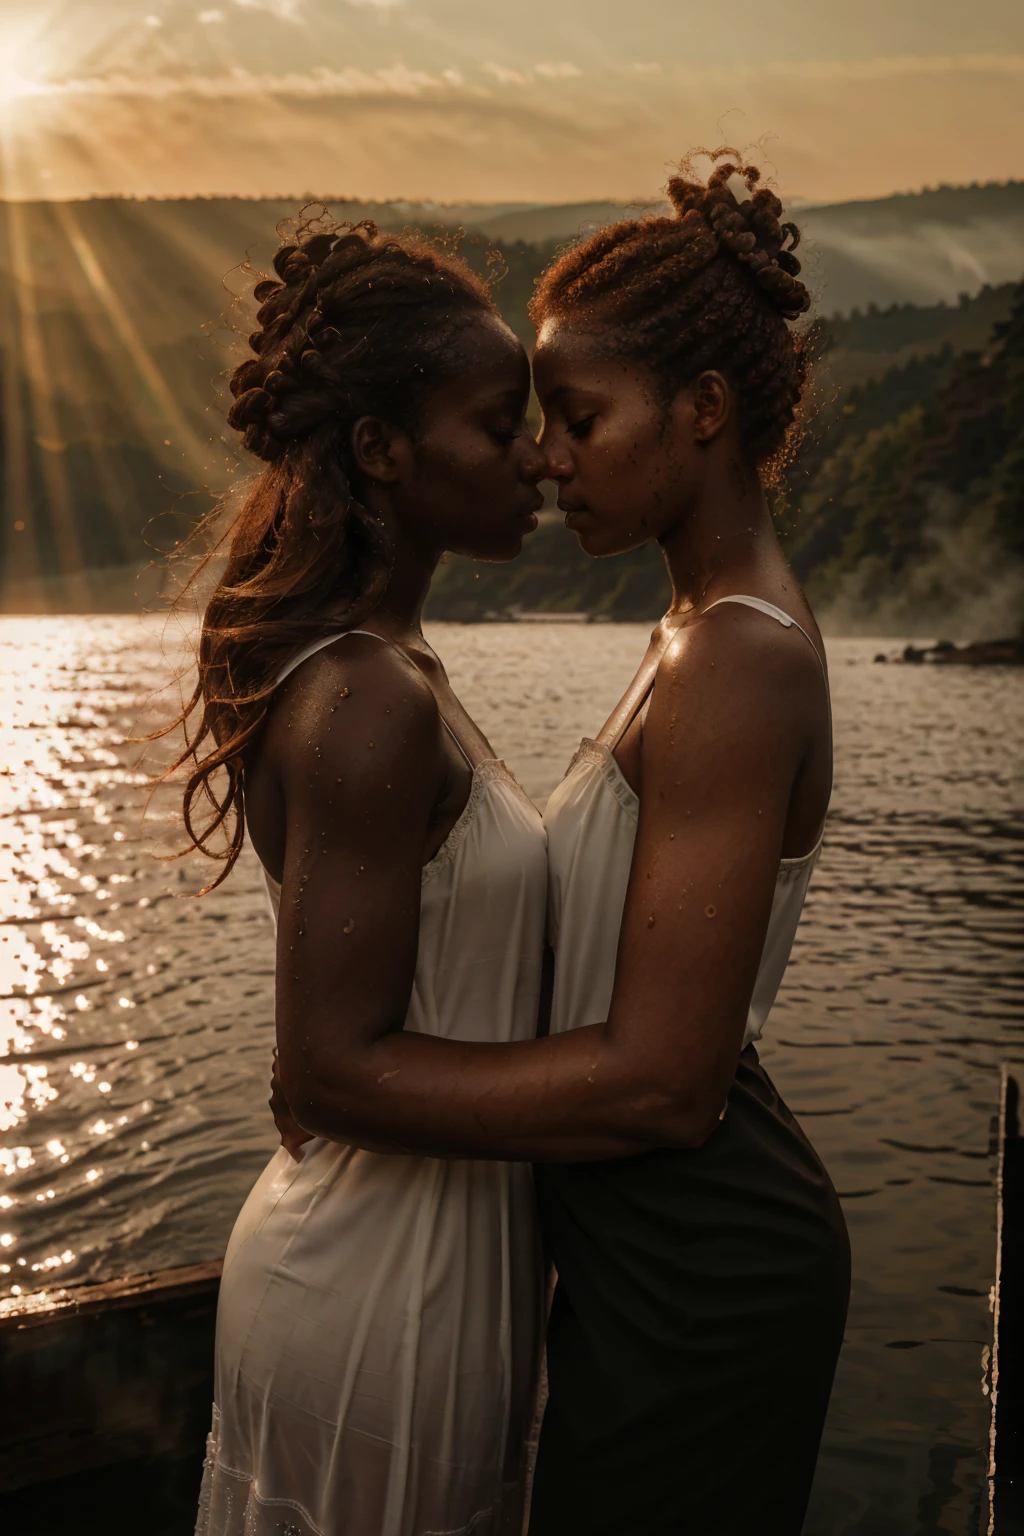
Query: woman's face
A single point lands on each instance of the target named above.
(628, 462)
(472, 475)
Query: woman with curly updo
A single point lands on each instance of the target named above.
(702, 1290)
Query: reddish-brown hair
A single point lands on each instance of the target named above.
(357, 322)
(711, 287)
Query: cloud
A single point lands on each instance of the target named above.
(836, 130)
(896, 68)
(546, 70)
(321, 83)
(399, 79)
(287, 10)
(558, 71)
(208, 18)
(505, 76)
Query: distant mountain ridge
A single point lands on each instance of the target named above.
(907, 248)
(120, 319)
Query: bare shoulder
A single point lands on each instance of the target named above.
(746, 655)
(350, 709)
(736, 693)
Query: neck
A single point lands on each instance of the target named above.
(724, 538)
(412, 570)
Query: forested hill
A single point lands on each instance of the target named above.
(120, 319)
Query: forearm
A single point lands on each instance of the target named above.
(568, 1098)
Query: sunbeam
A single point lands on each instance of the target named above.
(55, 522)
(167, 410)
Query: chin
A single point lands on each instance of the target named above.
(601, 543)
(500, 552)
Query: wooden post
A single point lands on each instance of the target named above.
(1006, 1439)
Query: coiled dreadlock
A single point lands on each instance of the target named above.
(712, 287)
(357, 322)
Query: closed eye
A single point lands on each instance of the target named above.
(581, 428)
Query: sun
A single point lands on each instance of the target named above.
(14, 86)
(26, 60)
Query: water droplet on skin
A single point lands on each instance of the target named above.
(344, 694)
(349, 925)
(710, 911)
(672, 836)
(650, 921)
(369, 743)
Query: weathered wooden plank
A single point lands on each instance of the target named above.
(162, 1285)
(96, 1375)
(1006, 1440)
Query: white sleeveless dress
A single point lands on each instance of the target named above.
(591, 821)
(380, 1317)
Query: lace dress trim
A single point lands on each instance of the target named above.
(490, 771)
(229, 1504)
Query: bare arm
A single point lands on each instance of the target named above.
(724, 741)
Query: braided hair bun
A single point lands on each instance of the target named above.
(355, 319)
(712, 286)
(355, 322)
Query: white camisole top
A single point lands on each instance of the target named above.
(380, 1317)
(591, 821)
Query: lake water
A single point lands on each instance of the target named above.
(135, 1045)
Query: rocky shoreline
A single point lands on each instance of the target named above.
(979, 653)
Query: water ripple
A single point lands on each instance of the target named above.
(135, 1022)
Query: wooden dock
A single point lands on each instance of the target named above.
(105, 1394)
(1006, 1441)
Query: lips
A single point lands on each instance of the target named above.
(569, 507)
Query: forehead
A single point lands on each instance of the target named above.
(488, 353)
(574, 358)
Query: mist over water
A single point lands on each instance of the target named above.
(136, 1038)
(967, 587)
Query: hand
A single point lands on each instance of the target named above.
(292, 1135)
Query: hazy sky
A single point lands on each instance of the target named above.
(548, 100)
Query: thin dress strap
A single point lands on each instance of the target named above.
(643, 702)
(773, 613)
(639, 708)
(320, 645)
(326, 640)
(788, 622)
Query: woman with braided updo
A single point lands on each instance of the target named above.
(379, 1326)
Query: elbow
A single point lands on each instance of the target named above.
(321, 1103)
(681, 1121)
(687, 1129)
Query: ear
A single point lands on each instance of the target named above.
(711, 403)
(379, 449)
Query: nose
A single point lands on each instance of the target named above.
(534, 463)
(557, 457)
